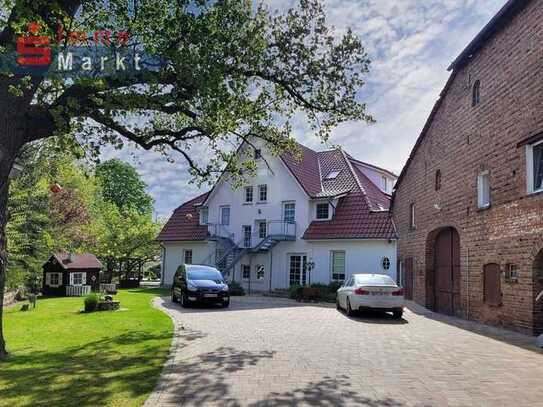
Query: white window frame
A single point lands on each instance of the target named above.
(246, 191)
(259, 268)
(483, 189)
(530, 168)
(332, 271)
(317, 210)
(245, 267)
(262, 189)
(204, 216)
(48, 279)
(284, 208)
(185, 252)
(384, 183)
(83, 278)
(221, 209)
(259, 224)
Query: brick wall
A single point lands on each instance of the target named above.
(461, 141)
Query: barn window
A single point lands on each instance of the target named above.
(412, 216)
(483, 190)
(492, 284)
(385, 263)
(438, 180)
(475, 96)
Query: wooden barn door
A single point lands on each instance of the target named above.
(447, 272)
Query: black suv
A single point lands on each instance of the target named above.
(199, 284)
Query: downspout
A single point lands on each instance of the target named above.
(467, 285)
(163, 271)
(271, 268)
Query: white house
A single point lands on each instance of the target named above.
(318, 218)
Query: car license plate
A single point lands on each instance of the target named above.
(210, 295)
(379, 293)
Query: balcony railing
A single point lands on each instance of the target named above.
(276, 229)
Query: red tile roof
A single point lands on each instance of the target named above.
(184, 224)
(361, 213)
(79, 261)
(353, 220)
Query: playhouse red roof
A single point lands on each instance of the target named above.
(78, 261)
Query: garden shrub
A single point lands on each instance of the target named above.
(236, 288)
(293, 291)
(91, 302)
(334, 286)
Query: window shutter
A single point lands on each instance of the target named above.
(48, 279)
(492, 284)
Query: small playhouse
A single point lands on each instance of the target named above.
(70, 274)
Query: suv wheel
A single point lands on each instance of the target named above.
(174, 298)
(185, 303)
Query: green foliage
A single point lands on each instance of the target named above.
(293, 291)
(122, 186)
(91, 302)
(236, 289)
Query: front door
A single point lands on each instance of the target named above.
(297, 269)
(447, 272)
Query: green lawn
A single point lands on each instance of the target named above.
(61, 357)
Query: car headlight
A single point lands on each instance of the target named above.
(224, 288)
(191, 287)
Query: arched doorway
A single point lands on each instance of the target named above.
(446, 281)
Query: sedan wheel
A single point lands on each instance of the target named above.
(184, 301)
(349, 309)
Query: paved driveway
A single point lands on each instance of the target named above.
(274, 352)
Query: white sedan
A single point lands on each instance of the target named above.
(370, 292)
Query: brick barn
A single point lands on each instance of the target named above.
(468, 204)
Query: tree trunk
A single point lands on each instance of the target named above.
(6, 163)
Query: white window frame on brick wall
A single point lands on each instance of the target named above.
(530, 187)
(483, 190)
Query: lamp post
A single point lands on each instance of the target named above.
(310, 266)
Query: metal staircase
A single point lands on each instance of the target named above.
(229, 252)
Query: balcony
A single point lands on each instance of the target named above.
(277, 230)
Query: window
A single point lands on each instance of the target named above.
(78, 278)
(534, 167)
(258, 153)
(262, 229)
(438, 180)
(492, 284)
(53, 279)
(247, 232)
(384, 183)
(262, 193)
(248, 194)
(204, 216)
(245, 271)
(225, 215)
(385, 263)
(332, 175)
(187, 256)
(289, 212)
(483, 190)
(260, 272)
(412, 224)
(511, 273)
(338, 265)
(322, 210)
(475, 96)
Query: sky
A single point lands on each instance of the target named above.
(410, 43)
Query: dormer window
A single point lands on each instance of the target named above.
(332, 175)
(258, 153)
(384, 183)
(323, 211)
(475, 96)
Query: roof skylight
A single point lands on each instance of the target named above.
(332, 175)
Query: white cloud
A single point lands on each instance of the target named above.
(410, 42)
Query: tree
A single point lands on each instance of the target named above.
(121, 185)
(232, 72)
